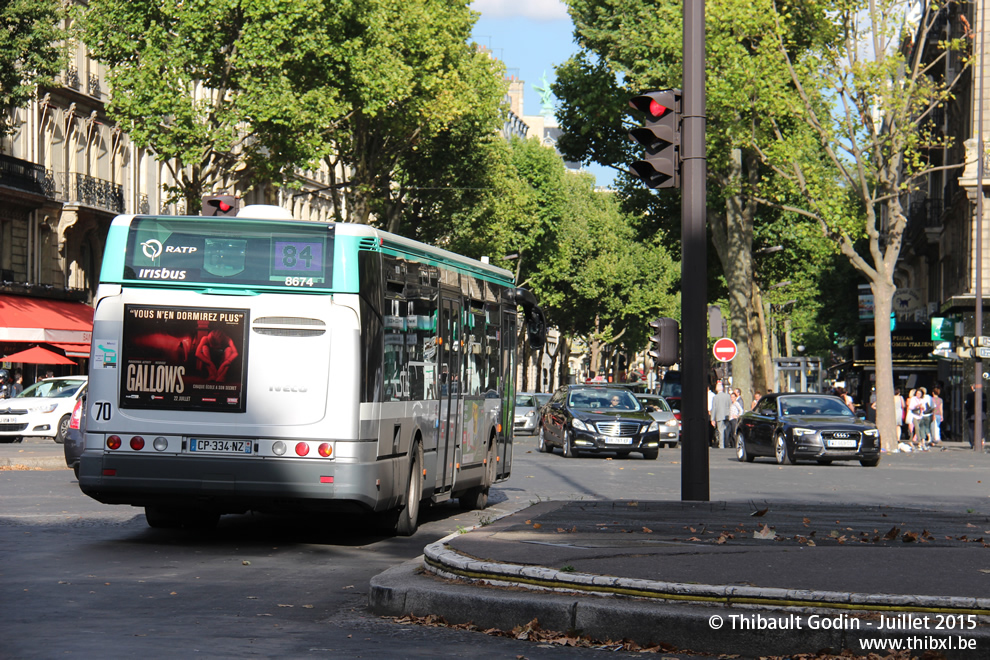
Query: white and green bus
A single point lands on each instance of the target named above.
(260, 363)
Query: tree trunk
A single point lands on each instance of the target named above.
(595, 348)
(738, 270)
(732, 236)
(883, 302)
(762, 373)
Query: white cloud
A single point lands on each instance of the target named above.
(538, 9)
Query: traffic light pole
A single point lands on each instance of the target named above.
(694, 275)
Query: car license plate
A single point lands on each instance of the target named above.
(9, 420)
(618, 441)
(218, 446)
(842, 444)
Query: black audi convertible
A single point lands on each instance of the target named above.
(806, 427)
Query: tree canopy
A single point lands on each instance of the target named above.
(32, 52)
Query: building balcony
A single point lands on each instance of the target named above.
(924, 221)
(26, 176)
(85, 190)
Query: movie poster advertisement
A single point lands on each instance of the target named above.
(184, 358)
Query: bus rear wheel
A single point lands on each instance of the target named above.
(408, 520)
(476, 499)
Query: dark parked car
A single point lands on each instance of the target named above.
(593, 418)
(75, 436)
(806, 427)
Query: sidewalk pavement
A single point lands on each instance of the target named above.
(714, 577)
(32, 454)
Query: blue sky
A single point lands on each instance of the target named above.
(531, 37)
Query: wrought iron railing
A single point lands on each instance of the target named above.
(89, 191)
(23, 175)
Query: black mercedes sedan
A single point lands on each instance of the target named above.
(596, 418)
(806, 427)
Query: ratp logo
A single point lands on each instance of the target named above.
(152, 248)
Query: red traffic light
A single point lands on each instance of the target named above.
(656, 109)
(222, 205)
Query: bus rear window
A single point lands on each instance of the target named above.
(203, 250)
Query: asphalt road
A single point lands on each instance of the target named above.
(81, 579)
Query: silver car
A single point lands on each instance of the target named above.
(670, 426)
(527, 418)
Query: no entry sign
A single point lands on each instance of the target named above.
(724, 349)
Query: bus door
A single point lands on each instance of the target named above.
(450, 391)
(508, 390)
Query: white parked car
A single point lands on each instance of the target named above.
(42, 410)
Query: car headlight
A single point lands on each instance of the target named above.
(44, 408)
(579, 425)
(671, 422)
(871, 432)
(797, 431)
(655, 426)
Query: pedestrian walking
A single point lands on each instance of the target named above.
(18, 385)
(898, 415)
(924, 423)
(911, 416)
(735, 413)
(969, 408)
(937, 415)
(721, 408)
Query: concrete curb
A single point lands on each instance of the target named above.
(449, 563)
(711, 627)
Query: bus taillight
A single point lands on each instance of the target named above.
(113, 442)
(137, 443)
(302, 448)
(325, 449)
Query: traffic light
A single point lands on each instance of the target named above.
(664, 342)
(661, 136)
(220, 205)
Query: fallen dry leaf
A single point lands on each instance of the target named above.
(765, 533)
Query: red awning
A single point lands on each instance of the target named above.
(23, 318)
(37, 355)
(73, 350)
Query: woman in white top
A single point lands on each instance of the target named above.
(898, 413)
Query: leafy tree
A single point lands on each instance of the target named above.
(411, 84)
(634, 45)
(600, 283)
(31, 53)
(866, 101)
(207, 84)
